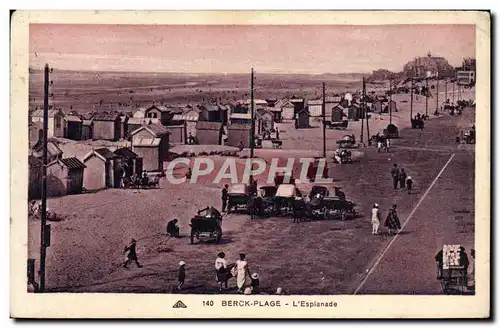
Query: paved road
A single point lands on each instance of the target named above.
(406, 265)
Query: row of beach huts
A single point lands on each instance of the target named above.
(150, 132)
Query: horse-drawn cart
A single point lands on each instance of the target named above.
(145, 182)
(238, 196)
(348, 141)
(207, 224)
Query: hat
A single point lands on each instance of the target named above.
(181, 263)
(409, 177)
(248, 291)
(255, 275)
(279, 291)
(375, 205)
(133, 240)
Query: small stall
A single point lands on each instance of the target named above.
(454, 264)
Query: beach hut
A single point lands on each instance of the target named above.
(377, 106)
(209, 133)
(130, 162)
(55, 122)
(338, 113)
(354, 112)
(188, 118)
(177, 134)
(65, 176)
(34, 177)
(102, 170)
(87, 127)
(53, 150)
(287, 110)
(315, 107)
(239, 133)
(106, 126)
(265, 121)
(162, 113)
(302, 119)
(151, 142)
(73, 127)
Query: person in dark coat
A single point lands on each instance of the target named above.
(395, 175)
(224, 197)
(132, 254)
(439, 264)
(392, 221)
(172, 228)
(402, 179)
(182, 274)
(409, 184)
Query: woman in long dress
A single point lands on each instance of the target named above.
(242, 272)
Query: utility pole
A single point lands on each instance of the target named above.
(453, 102)
(445, 90)
(390, 100)
(43, 247)
(362, 119)
(426, 95)
(437, 95)
(365, 108)
(252, 133)
(324, 122)
(411, 100)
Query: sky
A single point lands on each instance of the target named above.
(309, 49)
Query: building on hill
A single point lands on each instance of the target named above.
(55, 122)
(428, 66)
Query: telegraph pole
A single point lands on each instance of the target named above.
(324, 122)
(365, 108)
(411, 100)
(453, 102)
(445, 90)
(390, 100)
(252, 133)
(362, 119)
(437, 95)
(426, 95)
(43, 247)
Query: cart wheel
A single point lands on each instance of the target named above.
(343, 215)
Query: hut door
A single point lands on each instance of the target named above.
(107, 174)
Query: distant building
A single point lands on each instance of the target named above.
(240, 118)
(55, 122)
(188, 118)
(466, 77)
(338, 113)
(428, 66)
(213, 113)
(209, 133)
(239, 133)
(151, 142)
(87, 128)
(106, 126)
(65, 176)
(287, 109)
(102, 170)
(393, 107)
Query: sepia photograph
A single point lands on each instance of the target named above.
(250, 165)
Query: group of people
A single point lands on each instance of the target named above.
(401, 179)
(392, 222)
(247, 283)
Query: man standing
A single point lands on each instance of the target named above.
(395, 175)
(375, 219)
(402, 179)
(132, 254)
(224, 197)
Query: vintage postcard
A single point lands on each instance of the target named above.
(244, 164)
